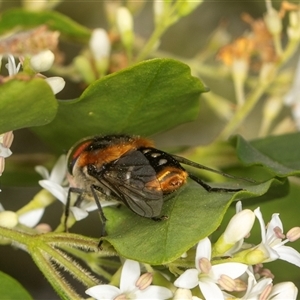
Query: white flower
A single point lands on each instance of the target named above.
(11, 66)
(272, 241)
(42, 61)
(56, 83)
(128, 289)
(55, 184)
(205, 275)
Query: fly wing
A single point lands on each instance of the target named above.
(134, 181)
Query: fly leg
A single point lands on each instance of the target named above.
(210, 188)
(101, 213)
(78, 201)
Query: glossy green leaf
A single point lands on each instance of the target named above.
(20, 18)
(278, 154)
(26, 104)
(193, 214)
(147, 98)
(10, 289)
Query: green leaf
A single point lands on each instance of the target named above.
(278, 154)
(193, 214)
(147, 98)
(10, 289)
(20, 18)
(23, 103)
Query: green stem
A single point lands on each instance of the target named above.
(244, 111)
(47, 257)
(158, 32)
(16, 236)
(41, 200)
(63, 289)
(166, 21)
(65, 261)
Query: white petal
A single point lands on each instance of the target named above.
(78, 213)
(103, 292)
(238, 207)
(56, 83)
(11, 65)
(259, 287)
(261, 223)
(210, 290)
(130, 274)
(154, 292)
(59, 170)
(203, 250)
(289, 254)
(230, 269)
(275, 222)
(187, 280)
(31, 218)
(284, 290)
(4, 152)
(42, 171)
(89, 205)
(55, 189)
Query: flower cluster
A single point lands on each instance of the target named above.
(227, 269)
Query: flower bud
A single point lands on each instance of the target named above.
(56, 83)
(239, 226)
(100, 44)
(125, 26)
(158, 8)
(42, 61)
(83, 66)
(8, 219)
(35, 5)
(183, 294)
(273, 21)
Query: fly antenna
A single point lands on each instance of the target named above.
(199, 166)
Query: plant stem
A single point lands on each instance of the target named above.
(63, 289)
